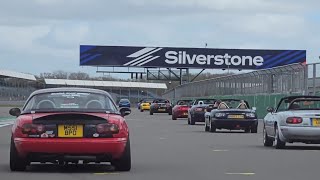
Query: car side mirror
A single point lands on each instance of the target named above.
(254, 108)
(15, 112)
(125, 111)
(270, 109)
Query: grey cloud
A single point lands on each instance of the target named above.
(19, 11)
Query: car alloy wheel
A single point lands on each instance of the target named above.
(277, 141)
(267, 141)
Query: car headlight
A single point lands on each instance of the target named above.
(219, 114)
(251, 115)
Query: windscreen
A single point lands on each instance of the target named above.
(64, 101)
(303, 104)
(234, 103)
(161, 101)
(206, 101)
(124, 101)
(184, 102)
(147, 101)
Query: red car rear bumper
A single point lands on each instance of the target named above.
(181, 114)
(112, 146)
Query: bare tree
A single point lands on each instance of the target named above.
(60, 74)
(79, 76)
(46, 75)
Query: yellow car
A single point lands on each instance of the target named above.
(145, 105)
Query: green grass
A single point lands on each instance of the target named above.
(7, 118)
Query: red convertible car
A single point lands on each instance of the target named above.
(180, 110)
(66, 125)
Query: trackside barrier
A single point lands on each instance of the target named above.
(260, 88)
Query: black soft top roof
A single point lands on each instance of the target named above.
(299, 97)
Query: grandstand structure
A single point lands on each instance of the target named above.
(16, 86)
(134, 91)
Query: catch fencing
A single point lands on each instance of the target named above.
(289, 79)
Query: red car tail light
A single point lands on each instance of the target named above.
(184, 108)
(294, 120)
(107, 128)
(198, 109)
(33, 129)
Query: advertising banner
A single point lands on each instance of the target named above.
(175, 57)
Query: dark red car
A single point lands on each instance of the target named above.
(66, 125)
(180, 110)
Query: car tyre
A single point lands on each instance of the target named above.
(267, 141)
(174, 117)
(212, 127)
(277, 141)
(16, 163)
(141, 110)
(247, 130)
(124, 163)
(188, 120)
(254, 129)
(206, 127)
(151, 112)
(192, 121)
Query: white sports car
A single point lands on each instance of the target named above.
(296, 119)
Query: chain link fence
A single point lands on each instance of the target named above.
(279, 80)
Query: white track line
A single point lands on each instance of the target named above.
(6, 124)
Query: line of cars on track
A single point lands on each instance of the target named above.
(230, 114)
(67, 125)
(294, 119)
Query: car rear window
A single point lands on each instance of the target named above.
(124, 101)
(234, 103)
(161, 101)
(184, 102)
(206, 101)
(305, 104)
(69, 100)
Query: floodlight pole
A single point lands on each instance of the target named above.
(314, 78)
(180, 76)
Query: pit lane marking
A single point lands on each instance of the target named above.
(220, 150)
(245, 173)
(4, 125)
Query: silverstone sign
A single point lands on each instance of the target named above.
(173, 57)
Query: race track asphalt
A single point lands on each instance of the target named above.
(163, 149)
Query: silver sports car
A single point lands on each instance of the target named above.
(295, 119)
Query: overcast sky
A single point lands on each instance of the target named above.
(44, 35)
